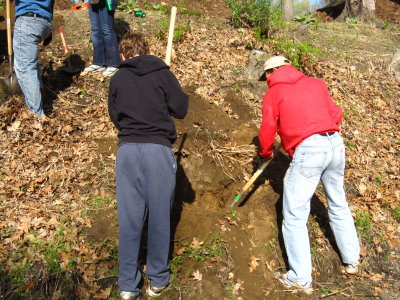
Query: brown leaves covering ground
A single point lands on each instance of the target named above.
(51, 172)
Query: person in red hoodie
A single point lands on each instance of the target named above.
(300, 109)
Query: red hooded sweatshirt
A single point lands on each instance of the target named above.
(296, 106)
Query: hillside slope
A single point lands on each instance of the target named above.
(57, 193)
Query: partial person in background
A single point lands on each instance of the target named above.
(33, 25)
(300, 109)
(105, 43)
(80, 4)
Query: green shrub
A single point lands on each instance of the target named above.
(295, 52)
(179, 32)
(258, 15)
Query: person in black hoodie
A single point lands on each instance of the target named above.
(144, 95)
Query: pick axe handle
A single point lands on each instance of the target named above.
(251, 181)
(63, 40)
(170, 35)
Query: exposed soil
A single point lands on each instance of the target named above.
(59, 180)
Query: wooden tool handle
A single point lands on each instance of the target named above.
(170, 35)
(63, 40)
(255, 176)
(9, 40)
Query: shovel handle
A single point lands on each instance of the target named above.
(255, 176)
(63, 40)
(9, 41)
(251, 181)
(170, 35)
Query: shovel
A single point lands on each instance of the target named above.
(250, 182)
(10, 82)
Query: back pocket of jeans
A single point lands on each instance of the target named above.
(312, 164)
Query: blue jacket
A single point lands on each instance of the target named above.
(43, 8)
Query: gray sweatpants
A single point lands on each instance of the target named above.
(145, 180)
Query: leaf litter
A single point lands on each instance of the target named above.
(51, 172)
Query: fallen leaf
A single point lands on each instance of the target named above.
(196, 244)
(271, 265)
(104, 294)
(181, 251)
(197, 275)
(14, 127)
(362, 188)
(253, 263)
(363, 251)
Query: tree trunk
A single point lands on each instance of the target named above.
(288, 9)
(357, 8)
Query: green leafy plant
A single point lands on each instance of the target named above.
(181, 30)
(325, 291)
(232, 213)
(2, 4)
(364, 225)
(305, 19)
(395, 211)
(352, 20)
(212, 248)
(83, 90)
(160, 7)
(349, 144)
(129, 6)
(162, 28)
(100, 202)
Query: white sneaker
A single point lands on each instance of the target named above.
(94, 68)
(110, 71)
(352, 268)
(292, 285)
(153, 291)
(128, 296)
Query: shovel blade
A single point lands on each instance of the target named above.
(10, 85)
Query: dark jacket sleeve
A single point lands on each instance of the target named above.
(177, 100)
(112, 105)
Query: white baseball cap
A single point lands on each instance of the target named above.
(273, 62)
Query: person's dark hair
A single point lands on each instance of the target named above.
(133, 44)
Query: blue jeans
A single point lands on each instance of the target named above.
(145, 180)
(104, 39)
(28, 33)
(316, 158)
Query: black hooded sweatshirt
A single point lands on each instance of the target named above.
(143, 97)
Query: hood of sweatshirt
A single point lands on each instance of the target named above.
(286, 74)
(144, 64)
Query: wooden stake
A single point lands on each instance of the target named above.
(170, 35)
